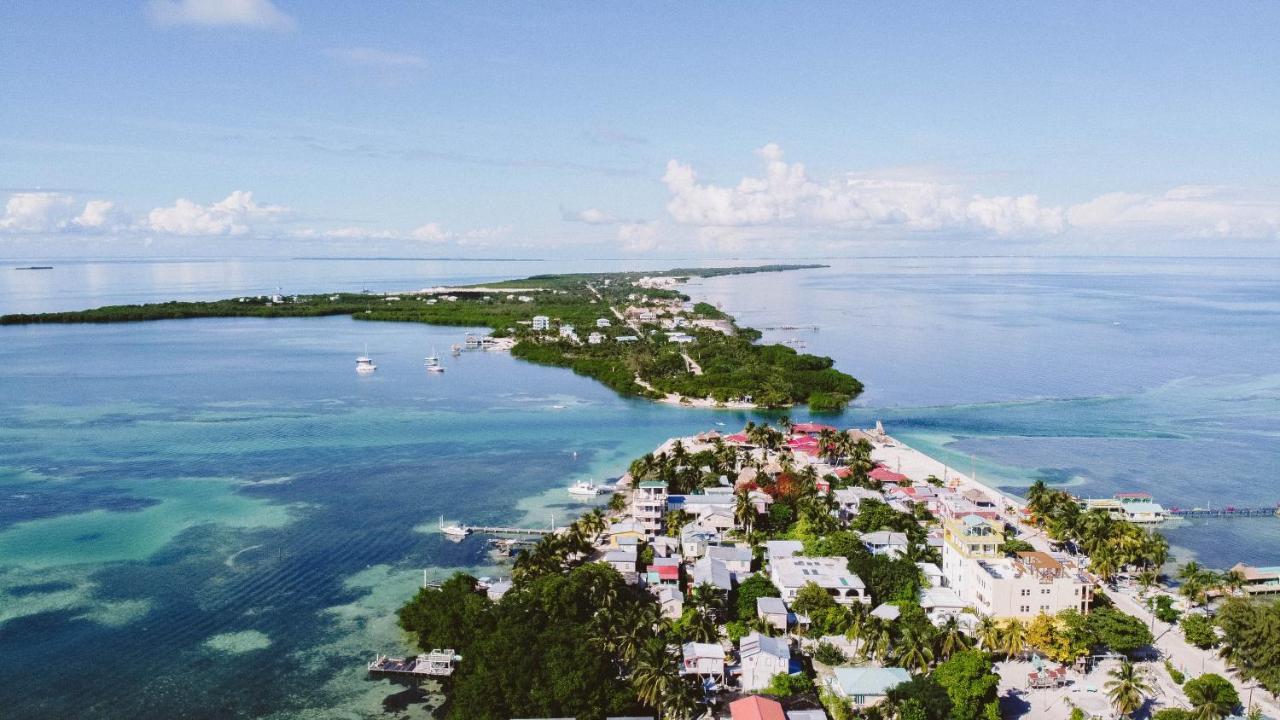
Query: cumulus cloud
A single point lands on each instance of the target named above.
(234, 215)
(49, 212)
(372, 57)
(638, 237)
(786, 196)
(256, 14)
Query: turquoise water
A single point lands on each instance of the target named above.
(216, 518)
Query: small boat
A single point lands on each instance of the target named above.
(454, 531)
(433, 359)
(585, 488)
(364, 364)
(435, 368)
(456, 349)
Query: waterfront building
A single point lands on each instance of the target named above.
(1259, 580)
(832, 574)
(1136, 507)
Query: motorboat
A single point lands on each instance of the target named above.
(585, 488)
(453, 531)
(433, 359)
(435, 368)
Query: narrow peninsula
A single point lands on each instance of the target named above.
(633, 331)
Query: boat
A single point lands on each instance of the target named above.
(35, 267)
(456, 349)
(586, 488)
(435, 368)
(364, 364)
(433, 359)
(454, 531)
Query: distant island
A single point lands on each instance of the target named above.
(633, 331)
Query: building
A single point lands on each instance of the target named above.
(775, 550)
(706, 659)
(649, 505)
(829, 573)
(712, 572)
(883, 542)
(696, 538)
(736, 558)
(595, 338)
(1136, 507)
(602, 323)
(541, 322)
(849, 499)
(932, 574)
(1259, 580)
(626, 338)
(756, 708)
(567, 330)
(623, 559)
(773, 611)
(761, 658)
(866, 686)
(625, 533)
(1002, 587)
(671, 600)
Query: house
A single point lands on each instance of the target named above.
(790, 574)
(883, 474)
(623, 559)
(625, 533)
(761, 658)
(671, 600)
(681, 338)
(931, 573)
(649, 505)
(646, 316)
(887, 612)
(705, 659)
(773, 611)
(663, 574)
(541, 322)
(595, 338)
(711, 571)
(626, 338)
(695, 538)
(756, 708)
(567, 330)
(721, 520)
(1136, 507)
(775, 550)
(736, 558)
(1259, 580)
(866, 686)
(497, 589)
(883, 542)
(665, 546)
(602, 323)
(849, 499)
(941, 603)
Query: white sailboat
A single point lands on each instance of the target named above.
(585, 488)
(364, 364)
(432, 362)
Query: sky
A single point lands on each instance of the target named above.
(609, 129)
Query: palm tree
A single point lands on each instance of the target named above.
(857, 627)
(1211, 702)
(744, 511)
(988, 634)
(1013, 638)
(635, 629)
(655, 673)
(1037, 498)
(951, 639)
(681, 700)
(913, 651)
(700, 625)
(1128, 688)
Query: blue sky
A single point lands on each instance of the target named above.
(604, 129)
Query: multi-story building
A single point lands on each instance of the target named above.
(1022, 586)
(649, 506)
(541, 322)
(790, 574)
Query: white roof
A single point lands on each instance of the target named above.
(756, 644)
(884, 537)
(702, 650)
(826, 572)
(782, 548)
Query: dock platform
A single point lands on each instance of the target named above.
(437, 663)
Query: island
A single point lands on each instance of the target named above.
(636, 332)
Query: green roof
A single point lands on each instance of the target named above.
(653, 484)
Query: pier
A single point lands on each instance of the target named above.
(501, 530)
(437, 663)
(1224, 512)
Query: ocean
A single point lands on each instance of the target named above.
(217, 518)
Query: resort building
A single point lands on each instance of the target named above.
(866, 686)
(1259, 580)
(649, 505)
(761, 658)
(1136, 507)
(966, 539)
(832, 574)
(541, 322)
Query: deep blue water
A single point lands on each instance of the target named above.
(216, 518)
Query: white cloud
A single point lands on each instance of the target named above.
(372, 57)
(431, 232)
(590, 216)
(50, 212)
(1184, 212)
(96, 214)
(638, 237)
(234, 215)
(258, 14)
(787, 196)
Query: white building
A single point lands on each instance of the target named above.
(1002, 587)
(736, 558)
(649, 505)
(773, 611)
(671, 600)
(595, 338)
(603, 323)
(883, 542)
(541, 322)
(829, 573)
(566, 330)
(762, 657)
(866, 686)
(623, 559)
(713, 572)
(706, 659)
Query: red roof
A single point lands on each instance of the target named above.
(811, 428)
(667, 572)
(842, 472)
(736, 438)
(756, 708)
(884, 474)
(803, 442)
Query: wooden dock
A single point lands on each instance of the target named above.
(501, 530)
(437, 663)
(1226, 511)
